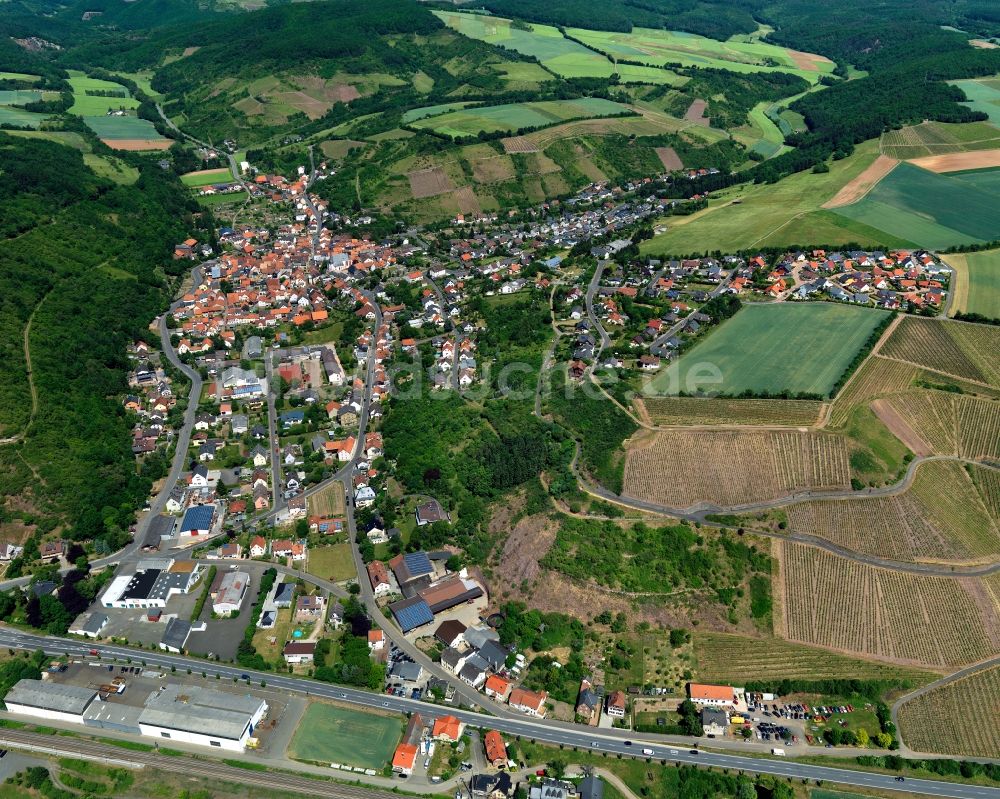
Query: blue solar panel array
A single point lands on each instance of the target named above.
(417, 563)
(198, 518)
(411, 615)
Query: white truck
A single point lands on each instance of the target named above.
(778, 752)
(647, 751)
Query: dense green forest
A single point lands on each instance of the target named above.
(90, 276)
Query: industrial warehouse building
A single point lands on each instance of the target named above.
(151, 585)
(50, 701)
(204, 716)
(189, 714)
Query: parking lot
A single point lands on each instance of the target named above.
(222, 636)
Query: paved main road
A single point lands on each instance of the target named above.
(610, 742)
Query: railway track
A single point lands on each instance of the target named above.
(63, 745)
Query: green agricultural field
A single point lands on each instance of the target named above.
(977, 288)
(86, 105)
(774, 347)
(113, 128)
(781, 215)
(328, 734)
(21, 76)
(20, 117)
(554, 51)
(932, 210)
(983, 94)
(206, 177)
(19, 96)
(939, 138)
(522, 72)
(70, 139)
(658, 47)
(514, 116)
(430, 111)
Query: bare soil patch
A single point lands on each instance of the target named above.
(138, 144)
(669, 158)
(526, 545)
(901, 428)
(956, 162)
(863, 183)
(808, 61)
(982, 44)
(190, 51)
(493, 170)
(696, 113)
(429, 183)
(518, 144)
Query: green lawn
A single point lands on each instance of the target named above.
(213, 200)
(773, 347)
(978, 282)
(328, 734)
(334, 562)
(511, 117)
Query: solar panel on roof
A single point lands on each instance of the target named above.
(412, 615)
(418, 563)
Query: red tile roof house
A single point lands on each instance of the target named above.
(447, 728)
(528, 702)
(496, 751)
(404, 759)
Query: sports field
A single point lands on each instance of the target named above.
(206, 177)
(977, 284)
(515, 116)
(328, 734)
(86, 105)
(773, 348)
(983, 94)
(932, 210)
(659, 47)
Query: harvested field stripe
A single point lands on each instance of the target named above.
(863, 183)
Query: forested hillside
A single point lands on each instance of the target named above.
(89, 275)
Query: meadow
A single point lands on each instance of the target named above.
(773, 348)
(206, 177)
(554, 52)
(787, 213)
(329, 734)
(515, 116)
(977, 283)
(659, 47)
(932, 210)
(983, 94)
(937, 721)
(86, 105)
